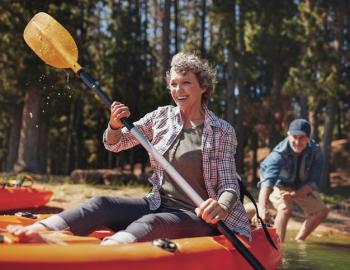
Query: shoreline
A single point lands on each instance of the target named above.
(335, 223)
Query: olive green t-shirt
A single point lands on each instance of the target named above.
(185, 155)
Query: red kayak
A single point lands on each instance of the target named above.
(19, 194)
(12, 198)
(74, 252)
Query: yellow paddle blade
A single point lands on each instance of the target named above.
(51, 42)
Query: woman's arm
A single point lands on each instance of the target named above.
(121, 138)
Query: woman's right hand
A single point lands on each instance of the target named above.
(118, 111)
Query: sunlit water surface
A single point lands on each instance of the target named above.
(320, 251)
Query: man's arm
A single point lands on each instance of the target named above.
(264, 194)
(270, 170)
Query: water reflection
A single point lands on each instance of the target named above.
(321, 252)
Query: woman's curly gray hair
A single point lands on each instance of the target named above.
(206, 75)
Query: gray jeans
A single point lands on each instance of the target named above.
(134, 216)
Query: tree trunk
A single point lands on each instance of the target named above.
(303, 107)
(78, 144)
(165, 53)
(230, 34)
(314, 122)
(43, 139)
(176, 26)
(326, 142)
(277, 112)
(203, 19)
(339, 122)
(347, 118)
(28, 150)
(13, 141)
(230, 92)
(69, 158)
(255, 147)
(241, 76)
(332, 105)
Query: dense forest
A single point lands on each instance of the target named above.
(275, 60)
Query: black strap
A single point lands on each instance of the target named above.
(244, 191)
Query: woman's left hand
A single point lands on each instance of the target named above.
(211, 211)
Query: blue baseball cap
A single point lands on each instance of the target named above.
(300, 127)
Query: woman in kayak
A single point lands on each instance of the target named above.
(198, 144)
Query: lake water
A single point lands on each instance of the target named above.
(320, 251)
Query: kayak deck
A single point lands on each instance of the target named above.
(191, 253)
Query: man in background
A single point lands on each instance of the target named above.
(291, 174)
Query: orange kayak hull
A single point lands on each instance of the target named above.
(196, 253)
(12, 198)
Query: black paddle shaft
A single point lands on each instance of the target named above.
(249, 257)
(102, 95)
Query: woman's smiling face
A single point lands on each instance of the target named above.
(186, 91)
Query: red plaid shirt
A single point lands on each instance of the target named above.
(162, 126)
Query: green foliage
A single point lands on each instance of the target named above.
(318, 72)
(281, 51)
